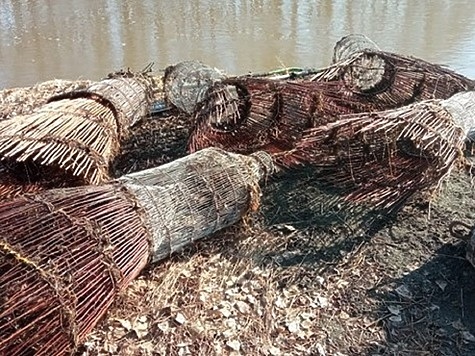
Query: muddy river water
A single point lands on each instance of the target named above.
(41, 40)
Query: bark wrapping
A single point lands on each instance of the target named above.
(196, 195)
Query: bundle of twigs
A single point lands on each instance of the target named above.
(383, 158)
(246, 114)
(74, 137)
(22, 101)
(66, 253)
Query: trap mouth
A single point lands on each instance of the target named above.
(369, 74)
(231, 106)
(17, 178)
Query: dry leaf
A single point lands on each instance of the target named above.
(180, 318)
(126, 324)
(234, 345)
(394, 309)
(243, 307)
(293, 327)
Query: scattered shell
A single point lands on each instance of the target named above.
(394, 309)
(274, 351)
(467, 336)
(126, 324)
(280, 303)
(395, 318)
(442, 284)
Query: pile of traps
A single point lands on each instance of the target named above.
(377, 127)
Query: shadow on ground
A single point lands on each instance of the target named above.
(431, 310)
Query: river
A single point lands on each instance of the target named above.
(41, 40)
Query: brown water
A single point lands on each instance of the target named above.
(41, 40)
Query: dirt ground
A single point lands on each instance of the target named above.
(304, 276)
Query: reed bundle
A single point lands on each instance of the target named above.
(66, 253)
(75, 135)
(22, 101)
(383, 158)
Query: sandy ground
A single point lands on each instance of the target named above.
(301, 277)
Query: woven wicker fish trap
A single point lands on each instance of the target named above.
(383, 158)
(236, 114)
(351, 44)
(186, 83)
(66, 253)
(24, 100)
(247, 114)
(75, 135)
(393, 79)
